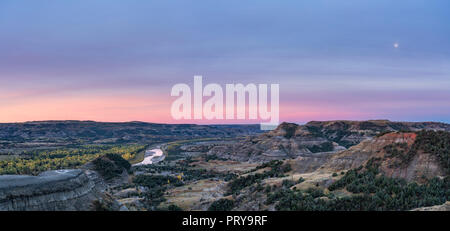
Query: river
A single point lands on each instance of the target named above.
(152, 156)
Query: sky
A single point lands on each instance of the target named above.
(114, 60)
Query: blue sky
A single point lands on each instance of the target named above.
(332, 59)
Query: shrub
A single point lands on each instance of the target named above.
(277, 170)
(152, 181)
(221, 205)
(174, 208)
(323, 147)
(118, 160)
(107, 168)
(288, 183)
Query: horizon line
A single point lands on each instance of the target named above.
(212, 124)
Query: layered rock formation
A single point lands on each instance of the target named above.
(65, 190)
(349, 133)
(444, 207)
(291, 141)
(288, 141)
(52, 190)
(394, 155)
(371, 148)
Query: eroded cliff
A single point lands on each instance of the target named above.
(65, 190)
(52, 190)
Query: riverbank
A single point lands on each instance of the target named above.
(138, 158)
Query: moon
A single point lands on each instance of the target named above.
(396, 45)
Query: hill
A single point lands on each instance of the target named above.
(39, 134)
(65, 190)
(289, 141)
(330, 165)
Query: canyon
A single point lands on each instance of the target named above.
(198, 173)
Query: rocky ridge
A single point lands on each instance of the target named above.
(314, 139)
(60, 190)
(72, 189)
